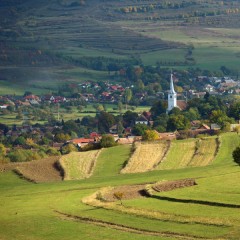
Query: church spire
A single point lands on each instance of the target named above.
(172, 96)
(172, 91)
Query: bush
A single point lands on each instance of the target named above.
(90, 147)
(22, 155)
(107, 141)
(69, 148)
(52, 152)
(236, 155)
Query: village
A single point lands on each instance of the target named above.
(176, 118)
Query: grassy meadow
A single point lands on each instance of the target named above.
(209, 210)
(212, 47)
(10, 118)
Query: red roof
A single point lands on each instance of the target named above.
(82, 140)
(94, 134)
(31, 97)
(182, 104)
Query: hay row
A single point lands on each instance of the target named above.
(78, 165)
(146, 156)
(205, 152)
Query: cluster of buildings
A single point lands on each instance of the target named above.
(219, 85)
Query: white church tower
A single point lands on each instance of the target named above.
(172, 96)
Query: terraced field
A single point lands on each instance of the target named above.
(146, 156)
(172, 155)
(179, 155)
(205, 151)
(78, 165)
(74, 209)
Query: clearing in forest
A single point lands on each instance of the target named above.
(78, 165)
(179, 155)
(146, 156)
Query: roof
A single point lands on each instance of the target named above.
(82, 140)
(141, 119)
(94, 134)
(204, 126)
(125, 140)
(114, 127)
(182, 104)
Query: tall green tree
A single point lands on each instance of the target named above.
(127, 96)
(105, 121)
(178, 122)
(236, 155)
(158, 108)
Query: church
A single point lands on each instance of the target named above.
(172, 98)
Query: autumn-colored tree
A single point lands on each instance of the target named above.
(150, 135)
(119, 196)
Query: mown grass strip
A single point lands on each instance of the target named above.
(205, 151)
(228, 142)
(125, 228)
(179, 155)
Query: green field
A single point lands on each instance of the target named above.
(73, 114)
(213, 47)
(209, 210)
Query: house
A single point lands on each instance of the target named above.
(31, 98)
(94, 135)
(209, 88)
(215, 126)
(113, 129)
(81, 142)
(125, 140)
(141, 120)
(182, 104)
(167, 136)
(234, 126)
(59, 99)
(4, 106)
(204, 127)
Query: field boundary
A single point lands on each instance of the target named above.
(125, 228)
(164, 154)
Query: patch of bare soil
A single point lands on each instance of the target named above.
(128, 192)
(171, 185)
(44, 170)
(137, 191)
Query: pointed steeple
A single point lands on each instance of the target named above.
(172, 91)
(172, 96)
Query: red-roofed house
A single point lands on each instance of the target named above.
(82, 141)
(31, 98)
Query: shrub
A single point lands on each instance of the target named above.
(107, 141)
(69, 148)
(236, 155)
(52, 152)
(90, 147)
(150, 135)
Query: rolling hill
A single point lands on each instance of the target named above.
(207, 209)
(46, 43)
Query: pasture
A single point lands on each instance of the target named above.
(55, 210)
(211, 47)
